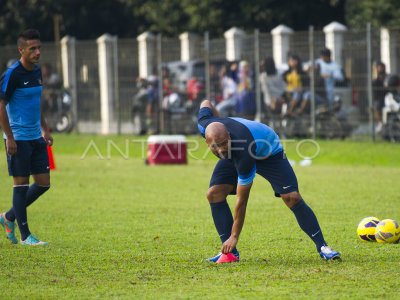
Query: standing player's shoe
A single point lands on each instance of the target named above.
(9, 228)
(31, 240)
(217, 257)
(328, 253)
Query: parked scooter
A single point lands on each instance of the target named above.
(57, 109)
(330, 123)
(391, 130)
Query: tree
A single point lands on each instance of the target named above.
(82, 19)
(128, 18)
(17, 15)
(377, 12)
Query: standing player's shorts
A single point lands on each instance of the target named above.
(31, 158)
(276, 169)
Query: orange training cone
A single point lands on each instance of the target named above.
(51, 158)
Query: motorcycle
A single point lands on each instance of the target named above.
(330, 123)
(391, 130)
(57, 110)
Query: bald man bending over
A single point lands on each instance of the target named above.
(245, 148)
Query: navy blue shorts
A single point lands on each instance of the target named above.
(31, 158)
(276, 169)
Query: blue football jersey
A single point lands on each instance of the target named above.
(22, 90)
(250, 141)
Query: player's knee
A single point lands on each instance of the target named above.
(211, 194)
(291, 199)
(215, 194)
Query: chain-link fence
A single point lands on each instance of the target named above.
(181, 85)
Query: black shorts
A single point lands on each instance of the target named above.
(31, 158)
(276, 169)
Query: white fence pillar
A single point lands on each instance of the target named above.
(189, 46)
(281, 43)
(147, 54)
(68, 60)
(334, 40)
(106, 46)
(68, 65)
(389, 41)
(234, 43)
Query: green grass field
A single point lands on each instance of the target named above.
(120, 229)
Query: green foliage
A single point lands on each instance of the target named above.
(121, 230)
(377, 12)
(128, 18)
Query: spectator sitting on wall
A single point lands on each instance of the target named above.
(228, 87)
(152, 104)
(245, 104)
(331, 72)
(379, 84)
(194, 89)
(272, 86)
(195, 93)
(296, 80)
(320, 93)
(139, 104)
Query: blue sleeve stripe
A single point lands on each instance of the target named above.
(247, 178)
(201, 129)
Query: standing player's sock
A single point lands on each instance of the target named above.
(34, 192)
(223, 220)
(19, 207)
(309, 223)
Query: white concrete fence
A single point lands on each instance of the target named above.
(189, 43)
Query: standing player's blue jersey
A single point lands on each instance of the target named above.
(22, 89)
(250, 142)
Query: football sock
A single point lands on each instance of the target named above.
(308, 223)
(223, 220)
(34, 192)
(19, 207)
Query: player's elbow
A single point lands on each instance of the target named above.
(206, 103)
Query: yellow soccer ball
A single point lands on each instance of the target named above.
(387, 231)
(366, 229)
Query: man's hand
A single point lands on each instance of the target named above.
(48, 138)
(229, 245)
(243, 192)
(11, 146)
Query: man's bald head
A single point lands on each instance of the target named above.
(217, 139)
(216, 131)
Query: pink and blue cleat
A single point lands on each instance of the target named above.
(221, 258)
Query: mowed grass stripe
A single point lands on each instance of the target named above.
(120, 229)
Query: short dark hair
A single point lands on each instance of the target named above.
(325, 52)
(29, 34)
(268, 66)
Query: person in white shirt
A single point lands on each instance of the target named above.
(228, 87)
(331, 72)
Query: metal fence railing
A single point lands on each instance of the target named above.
(200, 78)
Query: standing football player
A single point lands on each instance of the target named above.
(245, 148)
(26, 135)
